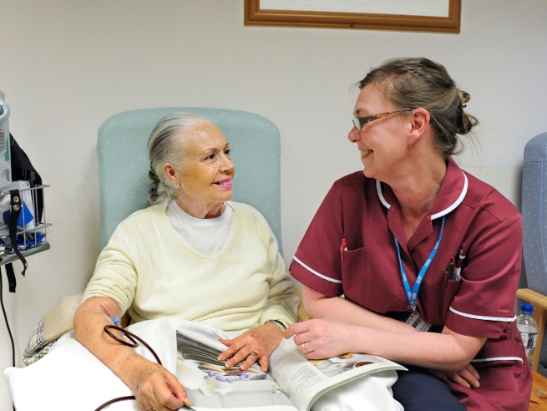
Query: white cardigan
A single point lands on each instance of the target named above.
(150, 271)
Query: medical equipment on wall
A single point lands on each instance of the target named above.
(22, 219)
(5, 158)
(22, 212)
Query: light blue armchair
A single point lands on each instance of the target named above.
(124, 164)
(534, 215)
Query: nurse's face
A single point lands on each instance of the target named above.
(380, 141)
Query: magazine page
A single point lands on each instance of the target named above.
(293, 383)
(213, 387)
(305, 380)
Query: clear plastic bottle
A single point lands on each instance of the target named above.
(528, 330)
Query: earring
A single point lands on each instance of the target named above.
(176, 185)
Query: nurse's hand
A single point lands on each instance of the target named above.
(318, 339)
(466, 377)
(254, 345)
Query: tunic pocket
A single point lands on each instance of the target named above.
(371, 283)
(446, 294)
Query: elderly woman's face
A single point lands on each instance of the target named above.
(206, 176)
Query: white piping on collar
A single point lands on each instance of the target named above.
(434, 216)
(381, 195)
(456, 203)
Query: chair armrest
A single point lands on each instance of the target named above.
(533, 297)
(540, 315)
(302, 314)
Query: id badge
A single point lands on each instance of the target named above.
(416, 321)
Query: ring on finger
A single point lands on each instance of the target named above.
(304, 348)
(254, 354)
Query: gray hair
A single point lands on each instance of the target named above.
(163, 148)
(419, 82)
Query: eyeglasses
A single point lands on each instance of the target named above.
(361, 121)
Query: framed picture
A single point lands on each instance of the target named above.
(411, 15)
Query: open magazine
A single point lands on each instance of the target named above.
(292, 383)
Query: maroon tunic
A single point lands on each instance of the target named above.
(349, 250)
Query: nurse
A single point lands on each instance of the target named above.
(414, 259)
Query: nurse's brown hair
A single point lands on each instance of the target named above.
(420, 82)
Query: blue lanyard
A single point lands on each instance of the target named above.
(413, 295)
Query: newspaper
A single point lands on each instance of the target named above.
(292, 383)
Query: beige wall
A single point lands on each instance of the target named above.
(68, 65)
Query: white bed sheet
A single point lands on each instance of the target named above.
(69, 377)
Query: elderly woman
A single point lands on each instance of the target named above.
(426, 256)
(189, 254)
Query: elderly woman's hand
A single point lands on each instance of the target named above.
(155, 388)
(254, 345)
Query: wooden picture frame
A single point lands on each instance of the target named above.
(257, 16)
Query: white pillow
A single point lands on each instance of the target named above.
(70, 378)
